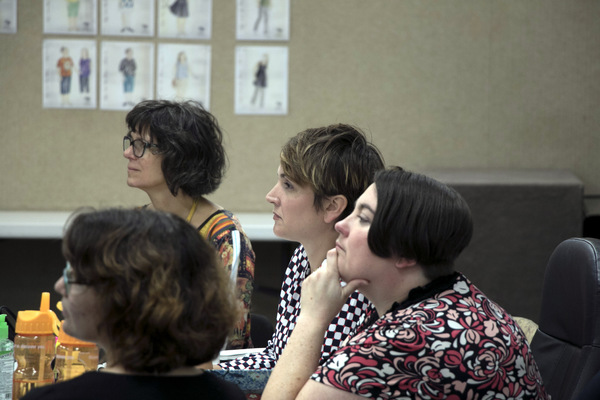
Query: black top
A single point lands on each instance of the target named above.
(109, 386)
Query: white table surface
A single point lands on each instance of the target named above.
(50, 224)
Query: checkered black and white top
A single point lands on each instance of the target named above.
(341, 326)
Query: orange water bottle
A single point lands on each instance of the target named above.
(34, 348)
(74, 357)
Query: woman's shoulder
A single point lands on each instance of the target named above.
(221, 221)
(100, 385)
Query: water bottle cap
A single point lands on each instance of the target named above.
(34, 322)
(3, 327)
(69, 340)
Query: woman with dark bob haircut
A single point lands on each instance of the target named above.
(147, 289)
(434, 334)
(175, 154)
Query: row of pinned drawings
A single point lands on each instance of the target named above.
(116, 75)
(182, 19)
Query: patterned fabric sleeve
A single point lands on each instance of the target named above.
(218, 230)
(287, 313)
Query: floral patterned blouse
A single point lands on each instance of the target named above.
(447, 341)
(217, 229)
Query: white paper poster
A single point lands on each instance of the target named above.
(183, 72)
(127, 17)
(127, 74)
(185, 19)
(261, 80)
(8, 16)
(72, 17)
(263, 20)
(69, 73)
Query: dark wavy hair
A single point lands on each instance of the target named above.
(166, 300)
(421, 219)
(190, 141)
(332, 160)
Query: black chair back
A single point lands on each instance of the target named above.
(566, 345)
(261, 330)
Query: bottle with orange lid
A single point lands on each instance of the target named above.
(34, 349)
(74, 357)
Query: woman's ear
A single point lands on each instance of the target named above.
(404, 262)
(334, 206)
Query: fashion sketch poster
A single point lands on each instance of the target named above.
(69, 73)
(183, 72)
(8, 16)
(185, 19)
(263, 19)
(126, 74)
(261, 80)
(71, 17)
(127, 18)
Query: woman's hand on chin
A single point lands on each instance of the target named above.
(324, 293)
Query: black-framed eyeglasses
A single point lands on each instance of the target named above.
(70, 280)
(139, 146)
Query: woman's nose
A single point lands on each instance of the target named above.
(342, 227)
(270, 197)
(128, 152)
(59, 286)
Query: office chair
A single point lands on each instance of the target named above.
(566, 345)
(261, 330)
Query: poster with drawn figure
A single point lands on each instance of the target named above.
(263, 19)
(185, 19)
(127, 17)
(183, 72)
(69, 73)
(261, 80)
(72, 17)
(8, 16)
(126, 74)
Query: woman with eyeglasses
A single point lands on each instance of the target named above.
(435, 335)
(140, 284)
(175, 154)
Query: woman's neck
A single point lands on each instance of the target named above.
(183, 206)
(316, 249)
(164, 201)
(396, 287)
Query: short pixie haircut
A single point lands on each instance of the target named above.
(421, 219)
(165, 299)
(333, 160)
(188, 138)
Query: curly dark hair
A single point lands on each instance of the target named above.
(188, 138)
(167, 301)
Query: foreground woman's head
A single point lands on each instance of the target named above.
(421, 219)
(405, 215)
(157, 295)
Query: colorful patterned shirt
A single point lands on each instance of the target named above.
(287, 313)
(447, 341)
(217, 229)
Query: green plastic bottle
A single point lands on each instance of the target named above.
(6, 360)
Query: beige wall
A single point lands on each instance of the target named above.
(453, 83)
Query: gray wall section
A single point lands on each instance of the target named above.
(519, 218)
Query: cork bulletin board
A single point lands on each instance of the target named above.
(458, 83)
